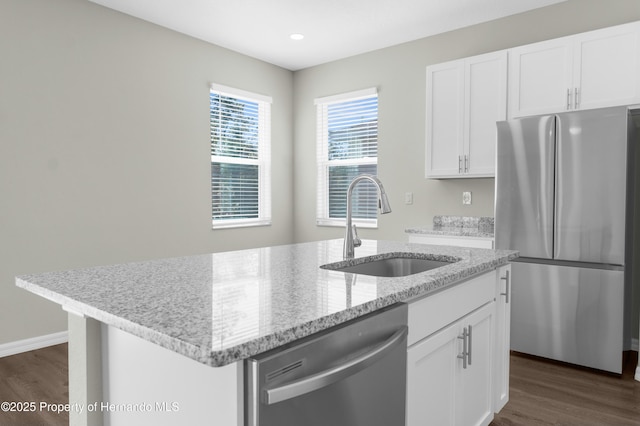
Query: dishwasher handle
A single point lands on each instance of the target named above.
(335, 374)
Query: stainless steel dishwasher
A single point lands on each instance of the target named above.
(350, 375)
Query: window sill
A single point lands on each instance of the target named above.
(341, 223)
(241, 224)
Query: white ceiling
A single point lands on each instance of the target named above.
(333, 29)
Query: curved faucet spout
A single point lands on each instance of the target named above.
(351, 239)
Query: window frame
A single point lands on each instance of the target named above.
(323, 162)
(263, 161)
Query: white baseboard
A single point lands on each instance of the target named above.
(33, 343)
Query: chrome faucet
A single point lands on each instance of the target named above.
(351, 240)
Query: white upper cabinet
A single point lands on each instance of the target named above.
(465, 98)
(445, 118)
(539, 78)
(607, 67)
(486, 103)
(589, 70)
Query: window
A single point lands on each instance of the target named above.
(240, 158)
(347, 146)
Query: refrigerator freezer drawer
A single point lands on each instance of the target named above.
(568, 314)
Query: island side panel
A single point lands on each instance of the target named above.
(85, 370)
(147, 384)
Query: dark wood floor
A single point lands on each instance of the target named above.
(39, 376)
(550, 393)
(542, 392)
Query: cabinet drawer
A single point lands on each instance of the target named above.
(431, 313)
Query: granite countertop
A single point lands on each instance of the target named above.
(223, 307)
(457, 226)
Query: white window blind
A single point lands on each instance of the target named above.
(240, 157)
(347, 146)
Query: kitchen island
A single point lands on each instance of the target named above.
(197, 318)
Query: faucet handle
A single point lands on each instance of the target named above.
(357, 242)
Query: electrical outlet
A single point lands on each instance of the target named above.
(466, 197)
(408, 197)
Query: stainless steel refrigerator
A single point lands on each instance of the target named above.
(564, 199)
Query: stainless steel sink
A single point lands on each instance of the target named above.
(393, 266)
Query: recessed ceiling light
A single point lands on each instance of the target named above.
(296, 36)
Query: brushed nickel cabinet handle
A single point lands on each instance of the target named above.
(470, 339)
(465, 351)
(507, 280)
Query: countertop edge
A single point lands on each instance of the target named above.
(219, 358)
(266, 343)
(451, 232)
(78, 308)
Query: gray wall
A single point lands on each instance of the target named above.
(399, 73)
(104, 137)
(104, 147)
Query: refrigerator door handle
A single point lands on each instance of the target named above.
(459, 164)
(576, 99)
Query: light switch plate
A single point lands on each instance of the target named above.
(466, 197)
(408, 197)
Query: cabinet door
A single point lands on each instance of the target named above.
(607, 67)
(445, 119)
(540, 77)
(432, 366)
(502, 338)
(474, 399)
(441, 390)
(486, 103)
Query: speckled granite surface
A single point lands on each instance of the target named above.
(224, 307)
(457, 226)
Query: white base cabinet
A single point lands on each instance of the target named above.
(502, 338)
(458, 355)
(146, 384)
(447, 385)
